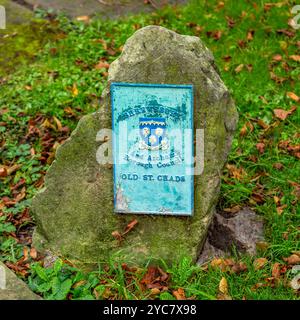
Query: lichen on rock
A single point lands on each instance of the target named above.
(74, 212)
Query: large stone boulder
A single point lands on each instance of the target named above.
(74, 212)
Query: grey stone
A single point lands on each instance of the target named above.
(74, 212)
(104, 8)
(242, 231)
(13, 288)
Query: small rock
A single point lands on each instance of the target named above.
(241, 230)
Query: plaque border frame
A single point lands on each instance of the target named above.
(153, 85)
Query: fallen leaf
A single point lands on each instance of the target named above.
(293, 96)
(75, 90)
(236, 173)
(244, 130)
(295, 57)
(277, 57)
(154, 291)
(260, 147)
(293, 259)
(25, 253)
(278, 166)
(214, 34)
(179, 294)
(227, 58)
(239, 68)
(13, 168)
(83, 18)
(286, 32)
(296, 191)
(242, 44)
(233, 209)
(239, 267)
(276, 270)
(259, 263)
(280, 209)
(250, 35)
(164, 276)
(223, 286)
(3, 172)
(117, 235)
(262, 124)
(150, 275)
(130, 226)
(33, 253)
(230, 22)
(102, 65)
(58, 123)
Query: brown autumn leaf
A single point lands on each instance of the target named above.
(282, 114)
(3, 172)
(216, 262)
(277, 57)
(286, 32)
(154, 291)
(150, 276)
(83, 18)
(268, 6)
(235, 172)
(179, 294)
(163, 275)
(262, 124)
(233, 209)
(117, 235)
(260, 147)
(276, 78)
(33, 253)
(259, 263)
(102, 65)
(58, 124)
(244, 130)
(278, 166)
(296, 191)
(250, 35)
(21, 195)
(227, 58)
(230, 22)
(293, 96)
(295, 57)
(239, 267)
(130, 226)
(13, 168)
(214, 34)
(276, 270)
(239, 68)
(293, 259)
(280, 209)
(223, 286)
(25, 253)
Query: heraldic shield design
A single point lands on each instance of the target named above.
(153, 134)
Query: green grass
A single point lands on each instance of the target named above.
(63, 82)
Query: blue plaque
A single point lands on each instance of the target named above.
(153, 148)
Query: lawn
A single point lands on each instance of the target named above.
(258, 55)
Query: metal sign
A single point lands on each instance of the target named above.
(153, 148)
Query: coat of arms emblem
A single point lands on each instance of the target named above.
(153, 134)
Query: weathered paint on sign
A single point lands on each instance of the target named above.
(153, 148)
